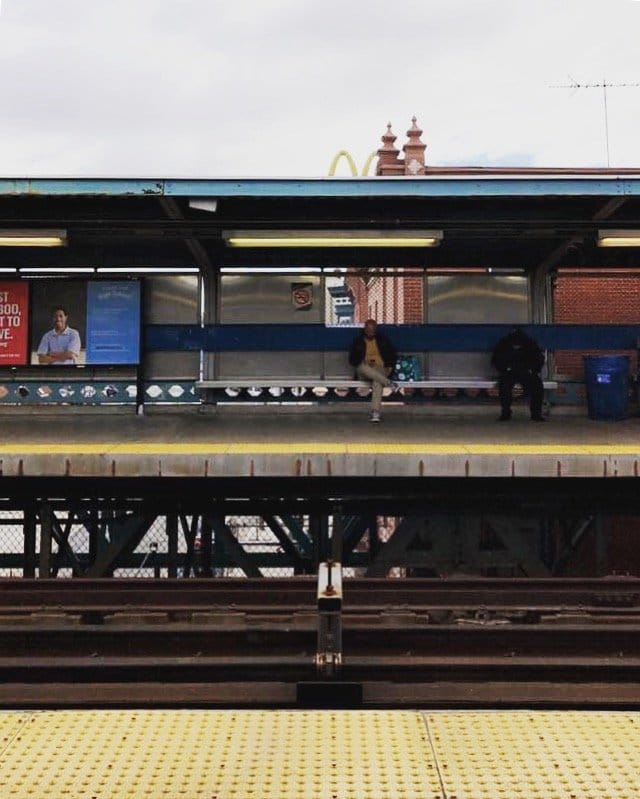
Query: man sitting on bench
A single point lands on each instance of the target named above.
(373, 356)
(519, 359)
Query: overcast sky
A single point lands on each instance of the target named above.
(205, 88)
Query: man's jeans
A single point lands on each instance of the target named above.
(531, 384)
(379, 377)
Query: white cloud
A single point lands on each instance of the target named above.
(266, 87)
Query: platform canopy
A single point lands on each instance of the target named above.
(490, 218)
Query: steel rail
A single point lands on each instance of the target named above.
(615, 641)
(128, 593)
(441, 694)
(401, 681)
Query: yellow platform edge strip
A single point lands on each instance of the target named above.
(315, 448)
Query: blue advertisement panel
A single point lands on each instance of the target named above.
(113, 322)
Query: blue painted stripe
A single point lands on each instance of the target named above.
(176, 338)
(80, 186)
(508, 186)
(441, 338)
(408, 187)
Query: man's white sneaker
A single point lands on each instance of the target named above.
(375, 416)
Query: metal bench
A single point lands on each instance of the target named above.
(289, 382)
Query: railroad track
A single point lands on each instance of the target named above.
(147, 595)
(432, 643)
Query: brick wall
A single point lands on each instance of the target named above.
(389, 300)
(358, 289)
(607, 298)
(413, 310)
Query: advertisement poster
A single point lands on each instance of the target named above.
(58, 321)
(79, 322)
(113, 322)
(14, 323)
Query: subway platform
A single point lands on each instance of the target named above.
(308, 442)
(252, 754)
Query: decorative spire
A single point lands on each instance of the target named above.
(388, 138)
(388, 161)
(414, 151)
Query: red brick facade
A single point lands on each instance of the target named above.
(602, 298)
(389, 300)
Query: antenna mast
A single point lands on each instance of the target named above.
(604, 86)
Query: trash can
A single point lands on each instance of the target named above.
(607, 379)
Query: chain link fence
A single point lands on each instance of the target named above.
(251, 532)
(12, 542)
(150, 556)
(151, 550)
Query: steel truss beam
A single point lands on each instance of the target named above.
(229, 543)
(97, 535)
(293, 497)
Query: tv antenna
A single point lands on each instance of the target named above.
(604, 86)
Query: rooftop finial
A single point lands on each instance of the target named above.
(414, 150)
(414, 131)
(388, 161)
(388, 138)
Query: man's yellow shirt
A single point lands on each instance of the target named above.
(372, 353)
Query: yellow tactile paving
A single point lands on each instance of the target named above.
(537, 755)
(314, 447)
(319, 755)
(220, 755)
(10, 726)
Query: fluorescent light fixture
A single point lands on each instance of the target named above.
(271, 270)
(504, 270)
(456, 270)
(147, 270)
(33, 238)
(56, 270)
(332, 238)
(8, 270)
(204, 204)
(619, 238)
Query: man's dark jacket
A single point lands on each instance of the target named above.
(359, 347)
(517, 353)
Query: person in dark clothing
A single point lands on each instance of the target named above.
(519, 359)
(373, 356)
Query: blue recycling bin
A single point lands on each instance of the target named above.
(607, 379)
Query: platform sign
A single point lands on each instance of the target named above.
(14, 323)
(302, 296)
(113, 322)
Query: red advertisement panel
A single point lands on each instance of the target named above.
(14, 322)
